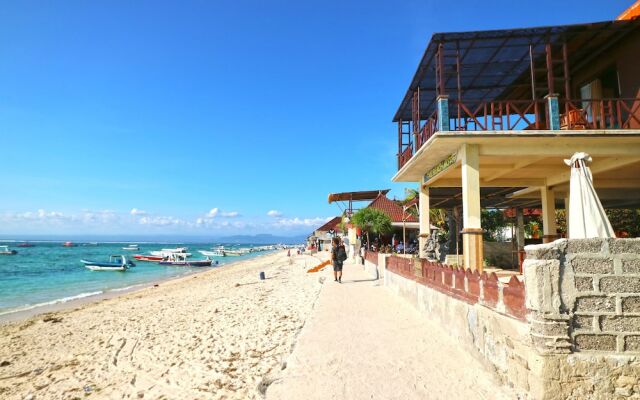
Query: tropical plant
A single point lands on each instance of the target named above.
(372, 220)
(493, 223)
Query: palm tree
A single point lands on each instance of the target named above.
(372, 220)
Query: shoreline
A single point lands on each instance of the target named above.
(220, 334)
(58, 305)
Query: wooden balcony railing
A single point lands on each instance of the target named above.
(511, 115)
(600, 114)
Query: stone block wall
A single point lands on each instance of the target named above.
(583, 299)
(585, 295)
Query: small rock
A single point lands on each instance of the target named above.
(156, 285)
(5, 363)
(30, 396)
(237, 284)
(140, 394)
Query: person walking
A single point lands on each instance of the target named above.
(338, 255)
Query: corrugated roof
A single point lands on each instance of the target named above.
(391, 208)
(493, 62)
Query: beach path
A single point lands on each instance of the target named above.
(363, 342)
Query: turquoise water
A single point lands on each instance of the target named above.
(50, 273)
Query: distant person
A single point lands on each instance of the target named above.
(289, 253)
(338, 255)
(362, 253)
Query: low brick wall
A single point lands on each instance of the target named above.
(464, 285)
(371, 261)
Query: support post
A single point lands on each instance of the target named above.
(472, 232)
(520, 228)
(549, 230)
(425, 223)
(553, 111)
(443, 113)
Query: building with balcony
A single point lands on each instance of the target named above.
(489, 117)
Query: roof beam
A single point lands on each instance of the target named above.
(514, 167)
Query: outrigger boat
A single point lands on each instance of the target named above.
(115, 263)
(212, 253)
(180, 260)
(131, 247)
(5, 251)
(144, 257)
(169, 252)
(25, 244)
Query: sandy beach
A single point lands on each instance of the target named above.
(219, 334)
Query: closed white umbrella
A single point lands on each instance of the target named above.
(587, 218)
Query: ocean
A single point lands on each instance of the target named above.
(49, 273)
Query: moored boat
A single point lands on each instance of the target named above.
(168, 252)
(180, 260)
(69, 244)
(131, 247)
(5, 251)
(145, 257)
(212, 253)
(25, 244)
(115, 263)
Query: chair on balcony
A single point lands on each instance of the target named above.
(574, 119)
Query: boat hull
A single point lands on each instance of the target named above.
(211, 253)
(141, 257)
(195, 263)
(102, 268)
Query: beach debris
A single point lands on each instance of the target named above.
(52, 318)
(156, 285)
(262, 276)
(30, 396)
(4, 363)
(87, 389)
(321, 279)
(237, 284)
(264, 385)
(140, 394)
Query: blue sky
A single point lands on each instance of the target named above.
(191, 117)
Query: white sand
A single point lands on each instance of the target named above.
(214, 335)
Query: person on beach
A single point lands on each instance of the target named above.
(338, 255)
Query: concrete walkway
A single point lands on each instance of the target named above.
(363, 342)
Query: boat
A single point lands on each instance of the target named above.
(25, 244)
(180, 260)
(69, 244)
(212, 253)
(5, 251)
(131, 247)
(145, 257)
(115, 263)
(168, 252)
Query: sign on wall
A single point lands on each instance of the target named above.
(442, 165)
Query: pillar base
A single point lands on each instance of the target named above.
(472, 248)
(422, 241)
(549, 238)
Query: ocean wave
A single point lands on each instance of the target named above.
(52, 302)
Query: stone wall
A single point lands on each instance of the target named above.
(583, 298)
(470, 308)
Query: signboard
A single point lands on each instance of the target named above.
(442, 165)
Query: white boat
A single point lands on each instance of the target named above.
(212, 253)
(4, 250)
(131, 247)
(115, 263)
(169, 252)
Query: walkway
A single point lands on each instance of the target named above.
(363, 342)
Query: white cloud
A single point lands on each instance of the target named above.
(297, 222)
(274, 213)
(135, 211)
(230, 214)
(161, 221)
(213, 212)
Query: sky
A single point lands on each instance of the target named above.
(215, 117)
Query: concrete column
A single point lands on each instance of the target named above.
(472, 232)
(553, 109)
(425, 223)
(520, 228)
(443, 113)
(549, 230)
